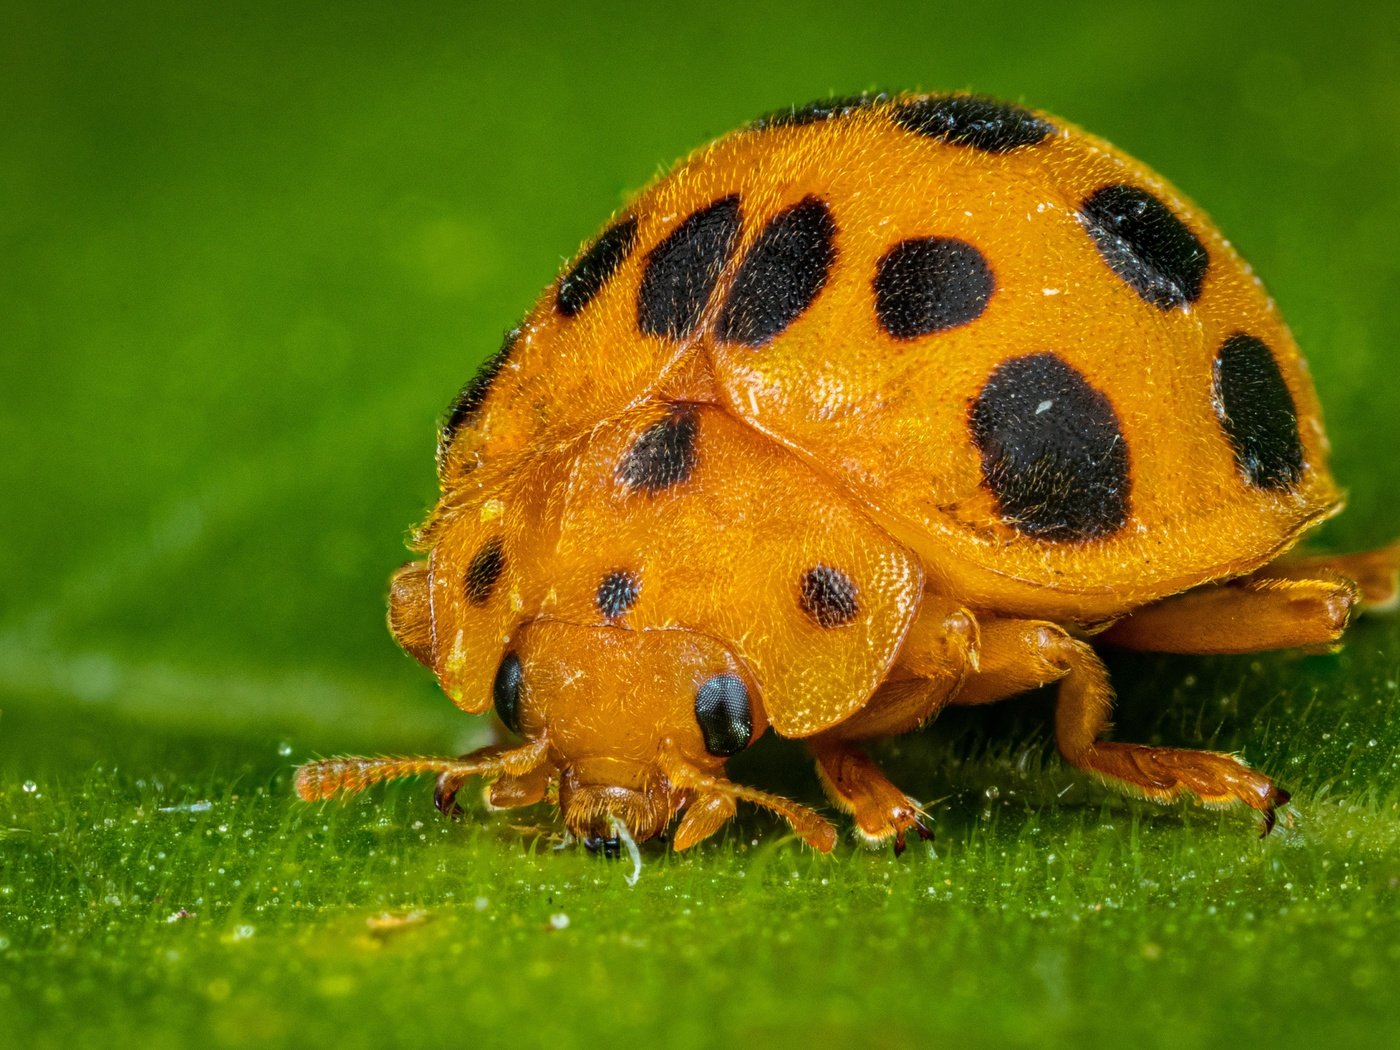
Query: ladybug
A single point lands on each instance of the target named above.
(874, 406)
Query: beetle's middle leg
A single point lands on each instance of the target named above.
(937, 654)
(1017, 655)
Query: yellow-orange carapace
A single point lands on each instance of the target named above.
(871, 407)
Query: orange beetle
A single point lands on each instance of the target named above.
(874, 406)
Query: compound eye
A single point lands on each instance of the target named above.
(506, 690)
(722, 709)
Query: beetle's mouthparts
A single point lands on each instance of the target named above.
(592, 811)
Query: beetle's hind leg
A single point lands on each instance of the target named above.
(1250, 615)
(1293, 603)
(1022, 654)
(1376, 574)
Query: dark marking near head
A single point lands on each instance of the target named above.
(931, 284)
(1146, 245)
(682, 270)
(780, 276)
(595, 266)
(725, 716)
(466, 406)
(1257, 413)
(505, 691)
(483, 572)
(828, 596)
(1052, 451)
(610, 846)
(617, 593)
(822, 109)
(983, 123)
(664, 454)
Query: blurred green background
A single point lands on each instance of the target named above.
(248, 253)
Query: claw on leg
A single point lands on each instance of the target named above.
(1281, 798)
(924, 832)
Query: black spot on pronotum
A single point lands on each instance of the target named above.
(682, 270)
(483, 572)
(828, 597)
(931, 284)
(1052, 451)
(725, 717)
(664, 454)
(595, 266)
(505, 691)
(816, 112)
(466, 406)
(1257, 413)
(617, 593)
(973, 120)
(1146, 245)
(781, 274)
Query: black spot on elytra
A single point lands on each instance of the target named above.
(664, 454)
(1146, 245)
(821, 110)
(930, 284)
(828, 596)
(781, 274)
(1052, 451)
(682, 270)
(595, 266)
(973, 120)
(466, 406)
(483, 572)
(1257, 413)
(617, 593)
(725, 716)
(505, 691)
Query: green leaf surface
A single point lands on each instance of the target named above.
(247, 254)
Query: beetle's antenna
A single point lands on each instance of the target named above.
(348, 776)
(811, 826)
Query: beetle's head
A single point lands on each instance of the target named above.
(625, 729)
(633, 721)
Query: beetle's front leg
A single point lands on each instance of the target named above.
(855, 783)
(937, 655)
